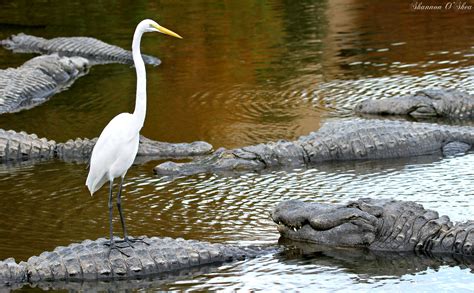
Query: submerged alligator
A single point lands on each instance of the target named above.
(20, 146)
(354, 139)
(37, 80)
(96, 51)
(425, 103)
(376, 224)
(380, 225)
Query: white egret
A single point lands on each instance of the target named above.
(117, 146)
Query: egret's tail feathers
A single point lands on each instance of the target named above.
(92, 192)
(90, 188)
(94, 183)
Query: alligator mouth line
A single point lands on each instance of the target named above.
(296, 228)
(292, 228)
(358, 221)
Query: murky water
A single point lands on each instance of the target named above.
(245, 72)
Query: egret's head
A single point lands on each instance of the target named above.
(149, 25)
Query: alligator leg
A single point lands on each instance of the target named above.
(455, 148)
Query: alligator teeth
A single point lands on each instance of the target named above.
(294, 229)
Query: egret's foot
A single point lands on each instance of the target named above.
(131, 240)
(112, 245)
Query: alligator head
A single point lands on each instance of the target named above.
(377, 224)
(422, 104)
(328, 224)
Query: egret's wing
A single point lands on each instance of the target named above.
(115, 142)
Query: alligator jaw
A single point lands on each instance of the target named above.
(324, 224)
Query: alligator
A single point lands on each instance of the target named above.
(353, 139)
(91, 261)
(21, 146)
(96, 51)
(391, 229)
(449, 103)
(375, 224)
(38, 79)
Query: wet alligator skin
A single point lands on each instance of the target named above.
(449, 103)
(351, 139)
(37, 80)
(21, 146)
(376, 224)
(90, 261)
(96, 51)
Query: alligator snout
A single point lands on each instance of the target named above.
(324, 223)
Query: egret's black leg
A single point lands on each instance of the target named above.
(126, 239)
(112, 243)
(119, 207)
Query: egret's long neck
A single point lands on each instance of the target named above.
(140, 103)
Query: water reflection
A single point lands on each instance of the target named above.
(367, 264)
(245, 72)
(306, 268)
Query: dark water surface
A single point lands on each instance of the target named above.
(245, 72)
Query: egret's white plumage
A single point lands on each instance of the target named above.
(117, 146)
(114, 151)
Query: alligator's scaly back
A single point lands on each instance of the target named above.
(354, 139)
(94, 50)
(89, 260)
(80, 149)
(37, 80)
(447, 103)
(403, 226)
(408, 226)
(20, 146)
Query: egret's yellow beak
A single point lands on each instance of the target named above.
(166, 31)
